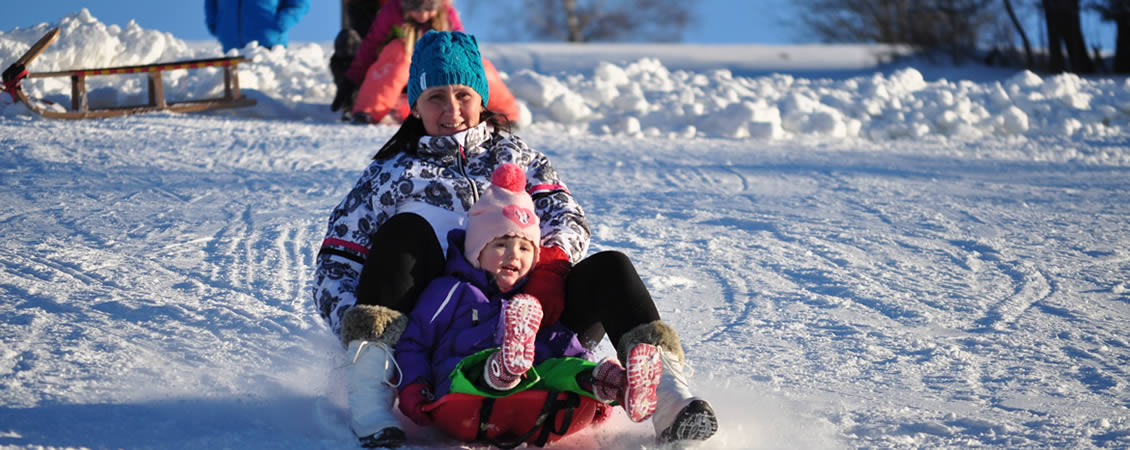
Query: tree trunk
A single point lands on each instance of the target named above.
(1122, 44)
(1052, 19)
(1023, 35)
(344, 15)
(572, 22)
(1065, 30)
(1077, 52)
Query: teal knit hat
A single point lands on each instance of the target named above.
(446, 57)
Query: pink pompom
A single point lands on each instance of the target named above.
(510, 177)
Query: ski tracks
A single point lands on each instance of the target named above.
(797, 270)
(263, 255)
(130, 271)
(1030, 286)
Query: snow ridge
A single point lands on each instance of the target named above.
(625, 97)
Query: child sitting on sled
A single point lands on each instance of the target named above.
(473, 333)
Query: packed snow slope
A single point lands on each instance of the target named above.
(888, 260)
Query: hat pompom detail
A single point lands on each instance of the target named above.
(510, 177)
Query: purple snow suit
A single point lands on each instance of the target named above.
(458, 315)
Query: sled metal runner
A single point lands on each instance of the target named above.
(80, 108)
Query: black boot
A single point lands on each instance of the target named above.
(696, 422)
(390, 437)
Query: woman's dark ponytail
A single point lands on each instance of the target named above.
(404, 140)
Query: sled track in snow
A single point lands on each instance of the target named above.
(740, 311)
(1030, 287)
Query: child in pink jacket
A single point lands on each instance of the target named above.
(373, 86)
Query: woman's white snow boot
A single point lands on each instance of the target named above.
(679, 415)
(372, 374)
(372, 391)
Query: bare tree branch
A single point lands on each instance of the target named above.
(957, 27)
(606, 20)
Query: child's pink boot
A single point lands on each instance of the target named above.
(521, 317)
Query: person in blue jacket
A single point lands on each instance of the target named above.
(238, 22)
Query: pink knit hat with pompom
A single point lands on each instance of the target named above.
(505, 209)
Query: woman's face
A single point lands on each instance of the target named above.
(446, 110)
(421, 16)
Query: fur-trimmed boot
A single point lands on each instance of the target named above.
(679, 415)
(369, 333)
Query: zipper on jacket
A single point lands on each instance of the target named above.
(463, 171)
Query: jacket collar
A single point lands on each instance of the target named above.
(470, 140)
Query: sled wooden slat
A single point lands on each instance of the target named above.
(158, 67)
(78, 93)
(156, 91)
(80, 108)
(38, 47)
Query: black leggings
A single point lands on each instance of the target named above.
(603, 293)
(403, 259)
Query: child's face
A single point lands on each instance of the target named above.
(422, 16)
(509, 259)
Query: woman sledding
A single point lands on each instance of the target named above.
(387, 241)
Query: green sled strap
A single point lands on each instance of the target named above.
(555, 376)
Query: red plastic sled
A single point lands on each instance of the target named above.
(536, 417)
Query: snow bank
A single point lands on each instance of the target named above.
(640, 98)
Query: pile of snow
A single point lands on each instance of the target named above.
(637, 98)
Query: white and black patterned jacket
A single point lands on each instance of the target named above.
(440, 182)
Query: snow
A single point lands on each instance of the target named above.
(858, 252)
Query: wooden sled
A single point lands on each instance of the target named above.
(80, 109)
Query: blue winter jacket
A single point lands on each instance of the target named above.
(238, 22)
(458, 315)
